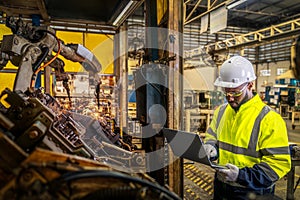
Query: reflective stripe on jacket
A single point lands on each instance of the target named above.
(254, 139)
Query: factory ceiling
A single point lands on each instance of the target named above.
(264, 13)
(256, 14)
(263, 21)
(101, 14)
(97, 14)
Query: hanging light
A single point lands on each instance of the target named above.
(235, 4)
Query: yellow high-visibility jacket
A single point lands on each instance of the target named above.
(255, 139)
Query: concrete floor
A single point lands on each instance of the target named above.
(198, 181)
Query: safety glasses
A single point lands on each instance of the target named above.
(235, 94)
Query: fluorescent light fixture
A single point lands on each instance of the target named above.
(120, 16)
(235, 4)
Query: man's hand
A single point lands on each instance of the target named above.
(211, 151)
(230, 174)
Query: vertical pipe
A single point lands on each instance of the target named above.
(256, 66)
(121, 71)
(151, 36)
(188, 120)
(152, 144)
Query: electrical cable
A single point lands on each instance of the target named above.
(50, 61)
(45, 51)
(71, 176)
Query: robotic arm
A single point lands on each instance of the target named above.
(28, 47)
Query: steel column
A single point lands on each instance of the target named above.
(121, 71)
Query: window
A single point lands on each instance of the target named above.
(281, 71)
(265, 72)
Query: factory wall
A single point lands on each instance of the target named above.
(203, 78)
(262, 81)
(199, 78)
(99, 44)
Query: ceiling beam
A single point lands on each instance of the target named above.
(254, 12)
(43, 11)
(278, 32)
(75, 25)
(20, 11)
(194, 8)
(211, 6)
(25, 8)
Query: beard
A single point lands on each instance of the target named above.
(236, 104)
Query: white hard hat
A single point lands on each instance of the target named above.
(234, 72)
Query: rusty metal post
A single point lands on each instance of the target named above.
(175, 97)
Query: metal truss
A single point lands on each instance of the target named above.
(210, 6)
(283, 31)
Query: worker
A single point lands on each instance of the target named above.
(247, 137)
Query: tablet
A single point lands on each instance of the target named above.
(188, 145)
